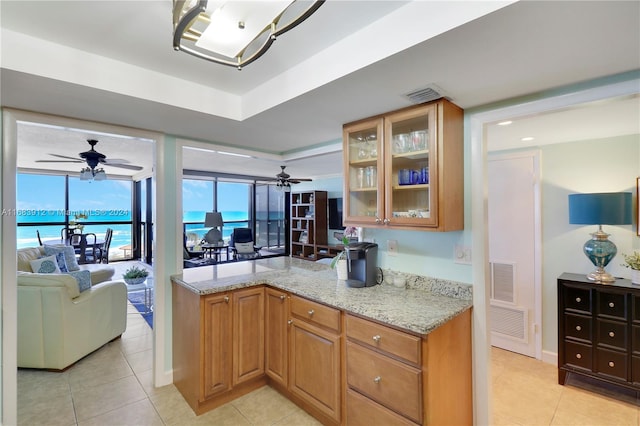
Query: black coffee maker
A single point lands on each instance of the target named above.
(361, 264)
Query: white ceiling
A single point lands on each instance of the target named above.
(350, 60)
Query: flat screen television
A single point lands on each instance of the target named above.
(335, 213)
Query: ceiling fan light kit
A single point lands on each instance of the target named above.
(235, 33)
(284, 180)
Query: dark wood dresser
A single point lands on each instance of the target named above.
(599, 330)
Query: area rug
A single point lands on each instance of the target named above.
(137, 300)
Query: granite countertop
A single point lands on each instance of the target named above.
(419, 308)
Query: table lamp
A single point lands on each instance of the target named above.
(214, 221)
(612, 208)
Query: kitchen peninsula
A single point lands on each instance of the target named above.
(345, 355)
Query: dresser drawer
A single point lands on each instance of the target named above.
(612, 363)
(612, 305)
(578, 355)
(385, 339)
(577, 299)
(635, 370)
(315, 313)
(578, 327)
(391, 383)
(635, 307)
(635, 339)
(361, 411)
(612, 333)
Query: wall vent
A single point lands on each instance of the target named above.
(510, 322)
(426, 94)
(503, 282)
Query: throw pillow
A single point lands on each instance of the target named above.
(244, 248)
(84, 279)
(45, 265)
(62, 263)
(69, 255)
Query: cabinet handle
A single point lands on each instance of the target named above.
(386, 221)
(612, 334)
(289, 322)
(311, 312)
(611, 364)
(611, 304)
(377, 379)
(376, 338)
(579, 356)
(282, 297)
(226, 299)
(378, 220)
(578, 300)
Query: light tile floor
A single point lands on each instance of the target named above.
(113, 386)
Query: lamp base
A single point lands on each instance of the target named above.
(601, 276)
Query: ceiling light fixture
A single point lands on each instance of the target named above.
(92, 174)
(527, 139)
(505, 123)
(234, 33)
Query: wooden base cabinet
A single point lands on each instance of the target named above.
(218, 345)
(277, 336)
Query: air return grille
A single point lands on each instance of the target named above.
(503, 282)
(510, 322)
(426, 94)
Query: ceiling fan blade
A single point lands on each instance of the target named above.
(116, 161)
(124, 166)
(58, 161)
(68, 158)
(302, 180)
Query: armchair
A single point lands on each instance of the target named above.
(242, 245)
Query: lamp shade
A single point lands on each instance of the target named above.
(213, 220)
(608, 208)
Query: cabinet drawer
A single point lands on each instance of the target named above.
(578, 327)
(386, 339)
(578, 299)
(391, 383)
(578, 355)
(612, 305)
(612, 363)
(361, 411)
(613, 334)
(315, 313)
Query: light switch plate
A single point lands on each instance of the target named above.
(392, 247)
(462, 254)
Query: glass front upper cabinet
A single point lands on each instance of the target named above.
(409, 154)
(364, 180)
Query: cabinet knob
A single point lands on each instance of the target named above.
(311, 312)
(612, 334)
(377, 379)
(578, 328)
(579, 356)
(578, 299)
(611, 304)
(282, 297)
(378, 220)
(289, 322)
(386, 221)
(376, 338)
(611, 364)
(226, 299)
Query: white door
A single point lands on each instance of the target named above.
(514, 238)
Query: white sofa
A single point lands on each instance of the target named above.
(58, 325)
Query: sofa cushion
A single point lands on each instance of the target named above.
(45, 265)
(83, 277)
(69, 255)
(26, 255)
(49, 280)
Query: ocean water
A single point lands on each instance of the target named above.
(41, 219)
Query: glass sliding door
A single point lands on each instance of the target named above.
(270, 218)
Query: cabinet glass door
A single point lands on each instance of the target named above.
(364, 179)
(411, 161)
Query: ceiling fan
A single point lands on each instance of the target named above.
(284, 180)
(93, 158)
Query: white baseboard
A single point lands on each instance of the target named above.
(163, 378)
(550, 357)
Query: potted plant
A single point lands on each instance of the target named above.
(135, 275)
(339, 262)
(632, 261)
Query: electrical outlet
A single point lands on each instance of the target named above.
(392, 247)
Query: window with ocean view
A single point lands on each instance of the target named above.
(96, 205)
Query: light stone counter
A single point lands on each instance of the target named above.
(421, 307)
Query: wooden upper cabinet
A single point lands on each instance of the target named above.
(404, 169)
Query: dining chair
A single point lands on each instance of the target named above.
(39, 239)
(87, 247)
(103, 251)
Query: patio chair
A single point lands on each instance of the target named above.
(103, 252)
(190, 254)
(88, 250)
(38, 235)
(242, 245)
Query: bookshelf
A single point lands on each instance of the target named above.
(308, 223)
